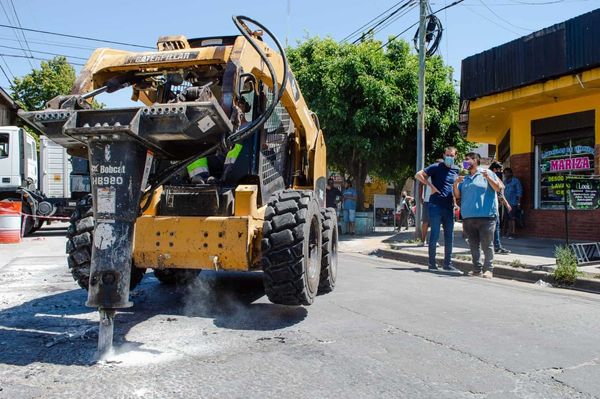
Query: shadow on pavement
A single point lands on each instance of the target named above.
(59, 231)
(349, 237)
(439, 272)
(60, 329)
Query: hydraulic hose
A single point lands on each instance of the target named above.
(277, 91)
(246, 131)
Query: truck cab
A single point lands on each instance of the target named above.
(49, 186)
(18, 160)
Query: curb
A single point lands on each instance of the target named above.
(507, 272)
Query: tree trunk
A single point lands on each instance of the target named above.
(359, 174)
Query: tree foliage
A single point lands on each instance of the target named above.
(366, 101)
(53, 78)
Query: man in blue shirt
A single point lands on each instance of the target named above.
(441, 205)
(349, 206)
(513, 192)
(479, 207)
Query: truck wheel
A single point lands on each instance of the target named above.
(329, 251)
(291, 248)
(80, 236)
(176, 276)
(36, 227)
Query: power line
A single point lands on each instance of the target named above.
(34, 58)
(503, 19)
(360, 29)
(517, 3)
(10, 21)
(48, 53)
(55, 44)
(76, 36)
(7, 67)
(5, 75)
(20, 26)
(399, 34)
(416, 23)
(531, 3)
(390, 15)
(494, 22)
(395, 19)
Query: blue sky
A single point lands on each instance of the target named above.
(469, 28)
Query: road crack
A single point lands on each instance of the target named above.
(520, 378)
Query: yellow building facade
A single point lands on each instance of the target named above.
(540, 107)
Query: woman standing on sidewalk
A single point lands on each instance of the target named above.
(479, 207)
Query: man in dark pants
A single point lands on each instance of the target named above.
(502, 206)
(441, 205)
(479, 208)
(513, 193)
(332, 195)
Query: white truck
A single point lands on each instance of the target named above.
(49, 185)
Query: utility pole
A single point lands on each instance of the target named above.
(421, 113)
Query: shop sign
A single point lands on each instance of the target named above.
(584, 193)
(578, 149)
(557, 165)
(564, 159)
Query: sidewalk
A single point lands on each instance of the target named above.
(531, 259)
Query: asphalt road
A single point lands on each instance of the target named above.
(389, 330)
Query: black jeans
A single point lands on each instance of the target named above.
(480, 234)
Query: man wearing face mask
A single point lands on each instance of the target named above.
(513, 194)
(479, 207)
(441, 205)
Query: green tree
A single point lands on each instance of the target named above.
(53, 78)
(366, 100)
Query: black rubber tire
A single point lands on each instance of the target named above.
(28, 222)
(80, 236)
(36, 227)
(329, 256)
(291, 248)
(179, 277)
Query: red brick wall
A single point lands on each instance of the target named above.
(583, 225)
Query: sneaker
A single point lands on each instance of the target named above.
(511, 237)
(502, 251)
(475, 273)
(433, 268)
(451, 269)
(488, 274)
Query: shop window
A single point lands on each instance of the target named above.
(564, 146)
(573, 157)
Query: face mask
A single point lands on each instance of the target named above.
(466, 164)
(448, 161)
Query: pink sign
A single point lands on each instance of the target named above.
(570, 164)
